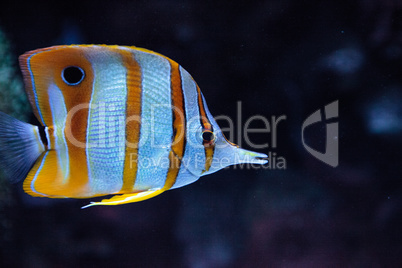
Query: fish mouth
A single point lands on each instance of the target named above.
(263, 158)
(246, 156)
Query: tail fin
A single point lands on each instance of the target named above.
(20, 147)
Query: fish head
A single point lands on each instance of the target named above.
(212, 151)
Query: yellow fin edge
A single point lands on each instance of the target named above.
(126, 198)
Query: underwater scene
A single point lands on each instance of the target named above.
(201, 133)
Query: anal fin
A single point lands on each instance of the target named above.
(127, 198)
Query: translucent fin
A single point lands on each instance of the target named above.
(127, 198)
(20, 147)
(184, 177)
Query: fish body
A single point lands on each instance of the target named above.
(114, 120)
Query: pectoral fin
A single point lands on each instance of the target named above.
(127, 198)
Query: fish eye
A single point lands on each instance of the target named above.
(72, 75)
(208, 136)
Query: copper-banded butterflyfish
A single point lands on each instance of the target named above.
(113, 120)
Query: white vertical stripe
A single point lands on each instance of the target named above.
(90, 179)
(156, 121)
(59, 116)
(106, 122)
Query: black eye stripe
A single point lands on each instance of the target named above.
(72, 75)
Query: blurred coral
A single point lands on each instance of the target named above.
(13, 99)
